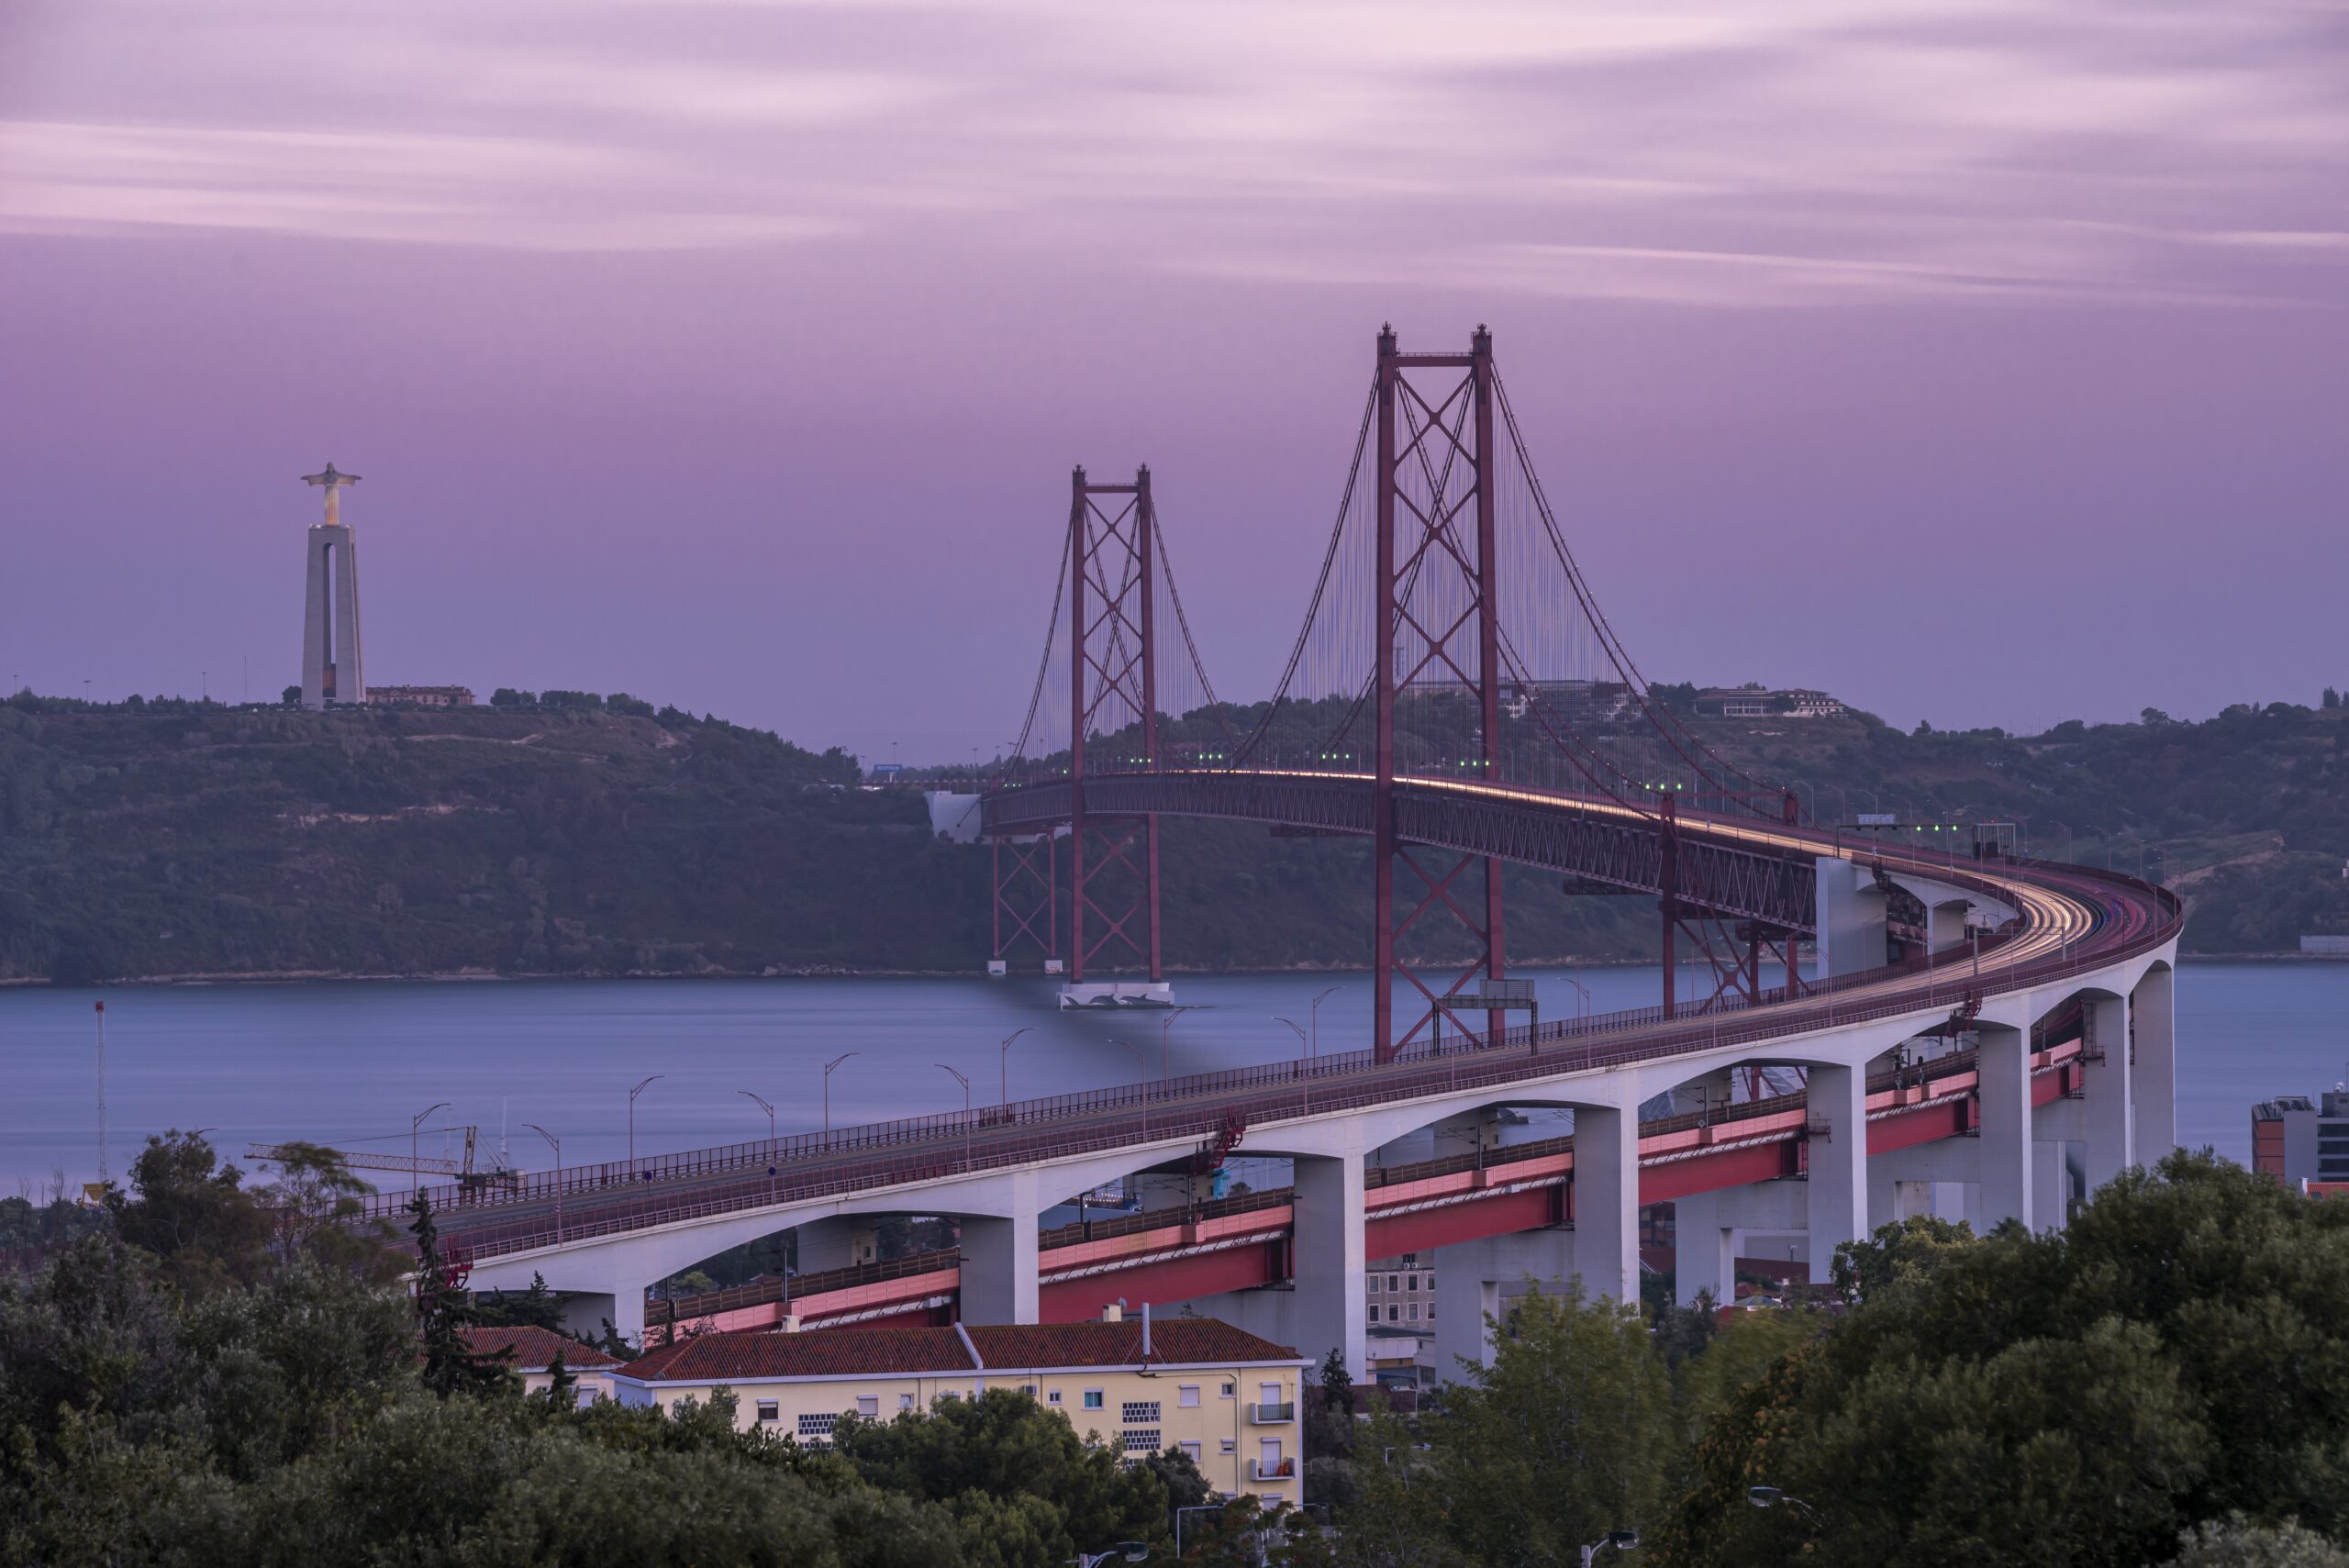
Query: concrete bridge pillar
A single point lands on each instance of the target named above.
(2051, 1183)
(1838, 1164)
(2005, 1146)
(1852, 934)
(833, 1243)
(586, 1312)
(1704, 1250)
(1474, 1280)
(2106, 1108)
(999, 1268)
(2153, 1076)
(1331, 1306)
(1607, 1202)
(1712, 1231)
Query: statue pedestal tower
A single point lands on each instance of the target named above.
(331, 673)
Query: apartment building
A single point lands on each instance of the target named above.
(1222, 1395)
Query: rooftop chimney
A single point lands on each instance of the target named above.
(1145, 1331)
(1115, 1312)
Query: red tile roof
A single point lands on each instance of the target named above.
(535, 1347)
(867, 1352)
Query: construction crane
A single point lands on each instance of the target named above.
(467, 1177)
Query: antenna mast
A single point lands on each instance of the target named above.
(104, 1180)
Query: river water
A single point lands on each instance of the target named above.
(349, 1063)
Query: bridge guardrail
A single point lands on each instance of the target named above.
(1411, 1077)
(950, 1127)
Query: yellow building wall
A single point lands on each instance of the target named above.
(591, 1384)
(1214, 1421)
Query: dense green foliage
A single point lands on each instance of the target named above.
(2179, 1354)
(561, 833)
(237, 1386)
(2169, 1380)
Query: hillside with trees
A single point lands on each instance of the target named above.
(567, 834)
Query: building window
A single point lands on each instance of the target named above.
(1053, 1398)
(1229, 1389)
(816, 1425)
(1390, 1281)
(1229, 1445)
(904, 1402)
(769, 1410)
(1191, 1451)
(1373, 1284)
(1141, 1440)
(1394, 1315)
(1188, 1395)
(1412, 1283)
(1415, 1312)
(1138, 1412)
(869, 1404)
(1093, 1399)
(1029, 1389)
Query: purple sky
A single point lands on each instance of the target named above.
(1981, 361)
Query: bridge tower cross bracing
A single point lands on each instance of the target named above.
(1436, 619)
(1113, 702)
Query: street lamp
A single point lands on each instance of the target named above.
(835, 1061)
(556, 1144)
(760, 1102)
(1313, 1016)
(631, 1118)
(1771, 1497)
(967, 1110)
(1582, 997)
(1165, 1028)
(1003, 1062)
(415, 1166)
(1621, 1539)
(1142, 1070)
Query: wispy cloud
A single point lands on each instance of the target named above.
(1810, 151)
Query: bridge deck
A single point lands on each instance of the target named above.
(1240, 1241)
(2073, 920)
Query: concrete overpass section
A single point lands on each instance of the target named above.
(1244, 1242)
(2079, 939)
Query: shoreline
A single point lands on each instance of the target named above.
(828, 971)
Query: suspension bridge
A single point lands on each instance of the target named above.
(1455, 698)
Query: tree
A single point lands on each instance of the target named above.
(506, 696)
(1564, 1437)
(192, 1213)
(1179, 1473)
(315, 1207)
(2182, 1350)
(2332, 697)
(1399, 1516)
(291, 696)
(1899, 1254)
(289, 1367)
(444, 1313)
(1004, 1446)
(537, 1308)
(2237, 1542)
